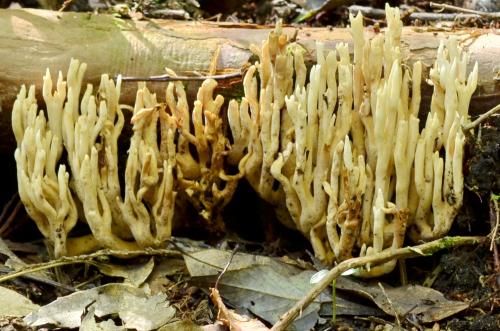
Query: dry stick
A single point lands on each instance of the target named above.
(482, 118)
(65, 4)
(169, 78)
(226, 267)
(464, 10)
(400, 253)
(494, 221)
(4, 269)
(9, 219)
(66, 260)
(389, 301)
(377, 13)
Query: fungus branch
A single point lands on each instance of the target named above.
(201, 170)
(148, 205)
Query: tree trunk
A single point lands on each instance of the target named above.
(33, 40)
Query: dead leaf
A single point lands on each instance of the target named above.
(427, 304)
(135, 308)
(158, 280)
(349, 305)
(210, 262)
(15, 263)
(14, 304)
(134, 274)
(265, 286)
(89, 323)
(234, 321)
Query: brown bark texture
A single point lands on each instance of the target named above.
(33, 40)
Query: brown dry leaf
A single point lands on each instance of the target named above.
(426, 304)
(15, 304)
(158, 280)
(265, 286)
(136, 308)
(234, 321)
(15, 263)
(268, 287)
(134, 274)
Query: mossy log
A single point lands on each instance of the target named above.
(33, 40)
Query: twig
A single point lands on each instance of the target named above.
(377, 13)
(5, 225)
(443, 6)
(47, 281)
(481, 118)
(175, 14)
(88, 259)
(389, 301)
(327, 6)
(169, 78)
(227, 266)
(403, 277)
(406, 252)
(65, 4)
(494, 220)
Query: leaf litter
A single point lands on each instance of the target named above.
(259, 288)
(133, 305)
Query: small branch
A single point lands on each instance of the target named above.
(67, 260)
(327, 6)
(6, 220)
(481, 118)
(169, 78)
(495, 223)
(443, 6)
(389, 301)
(226, 267)
(401, 253)
(377, 13)
(65, 4)
(47, 281)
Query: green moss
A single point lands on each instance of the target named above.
(444, 243)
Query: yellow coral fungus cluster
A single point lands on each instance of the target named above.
(337, 150)
(356, 173)
(159, 164)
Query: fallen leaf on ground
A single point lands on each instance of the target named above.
(15, 263)
(267, 287)
(89, 323)
(15, 304)
(234, 321)
(158, 281)
(135, 308)
(134, 274)
(425, 303)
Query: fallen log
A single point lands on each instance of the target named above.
(33, 40)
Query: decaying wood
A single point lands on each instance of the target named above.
(32, 40)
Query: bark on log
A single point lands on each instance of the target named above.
(33, 40)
